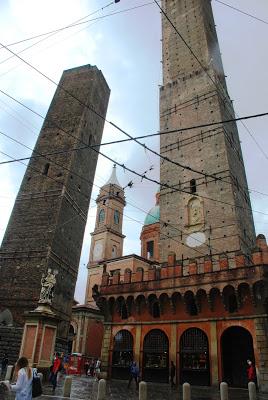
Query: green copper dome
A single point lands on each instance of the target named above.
(153, 216)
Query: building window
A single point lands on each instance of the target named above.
(193, 186)
(150, 249)
(45, 170)
(101, 215)
(116, 217)
(114, 251)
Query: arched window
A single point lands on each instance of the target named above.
(101, 215)
(156, 356)
(116, 217)
(114, 251)
(193, 186)
(194, 357)
(156, 310)
(122, 354)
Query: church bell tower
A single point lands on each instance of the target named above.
(107, 238)
(207, 208)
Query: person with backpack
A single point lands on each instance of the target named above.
(134, 374)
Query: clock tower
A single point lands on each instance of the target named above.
(107, 238)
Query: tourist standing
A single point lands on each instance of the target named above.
(24, 378)
(91, 368)
(251, 373)
(97, 369)
(56, 366)
(172, 374)
(4, 364)
(134, 374)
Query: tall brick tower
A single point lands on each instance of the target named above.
(207, 215)
(47, 224)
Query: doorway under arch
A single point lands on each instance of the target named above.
(194, 358)
(156, 357)
(236, 349)
(71, 335)
(122, 354)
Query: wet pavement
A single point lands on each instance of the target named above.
(86, 388)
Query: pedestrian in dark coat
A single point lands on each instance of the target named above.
(172, 373)
(134, 374)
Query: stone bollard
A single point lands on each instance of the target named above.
(252, 391)
(186, 391)
(9, 373)
(67, 387)
(101, 389)
(224, 391)
(142, 390)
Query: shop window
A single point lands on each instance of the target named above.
(122, 354)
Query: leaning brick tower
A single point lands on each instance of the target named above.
(208, 213)
(47, 224)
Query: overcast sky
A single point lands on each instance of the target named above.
(126, 47)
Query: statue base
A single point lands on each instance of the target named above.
(39, 336)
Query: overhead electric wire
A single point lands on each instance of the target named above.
(117, 127)
(231, 112)
(142, 176)
(92, 183)
(243, 12)
(74, 24)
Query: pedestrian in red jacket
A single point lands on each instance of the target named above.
(251, 374)
(56, 366)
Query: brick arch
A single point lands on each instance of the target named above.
(236, 343)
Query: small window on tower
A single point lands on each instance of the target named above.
(116, 217)
(46, 168)
(193, 186)
(101, 215)
(114, 251)
(150, 249)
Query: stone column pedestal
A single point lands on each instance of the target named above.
(39, 336)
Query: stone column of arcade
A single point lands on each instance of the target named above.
(40, 326)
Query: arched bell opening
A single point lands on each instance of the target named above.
(156, 357)
(122, 354)
(194, 358)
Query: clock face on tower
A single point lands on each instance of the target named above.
(97, 251)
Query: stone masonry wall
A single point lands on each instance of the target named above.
(10, 341)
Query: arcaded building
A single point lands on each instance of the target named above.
(198, 295)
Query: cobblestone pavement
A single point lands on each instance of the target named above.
(85, 388)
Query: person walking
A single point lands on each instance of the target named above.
(97, 369)
(172, 374)
(56, 366)
(24, 378)
(91, 368)
(134, 374)
(4, 364)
